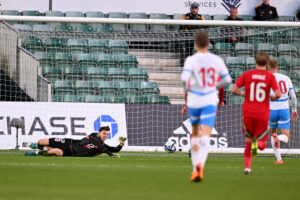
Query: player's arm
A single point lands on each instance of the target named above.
(224, 75)
(221, 96)
(117, 148)
(238, 84)
(294, 115)
(184, 109)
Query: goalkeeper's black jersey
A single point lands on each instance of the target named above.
(92, 145)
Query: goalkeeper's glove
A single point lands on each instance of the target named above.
(122, 141)
(115, 155)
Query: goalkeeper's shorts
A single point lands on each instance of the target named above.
(63, 144)
(255, 128)
(205, 115)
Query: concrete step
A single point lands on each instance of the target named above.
(164, 76)
(177, 91)
(177, 101)
(159, 68)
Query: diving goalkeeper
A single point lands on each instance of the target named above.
(91, 145)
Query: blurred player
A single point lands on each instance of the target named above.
(280, 113)
(200, 74)
(91, 145)
(256, 108)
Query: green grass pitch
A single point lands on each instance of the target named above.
(145, 176)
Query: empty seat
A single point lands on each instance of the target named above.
(118, 47)
(235, 73)
(220, 17)
(41, 28)
(223, 48)
(244, 49)
(127, 60)
(57, 98)
(31, 13)
(246, 17)
(95, 99)
(235, 62)
(157, 99)
(74, 14)
(46, 58)
(63, 87)
(85, 59)
(53, 73)
(177, 16)
(158, 16)
(83, 28)
(63, 28)
(117, 74)
(22, 27)
(104, 29)
(94, 14)
(74, 73)
(53, 44)
(84, 87)
(72, 98)
(107, 60)
(77, 45)
(206, 16)
(137, 74)
(118, 27)
(286, 18)
(106, 87)
(149, 87)
(54, 13)
(97, 46)
(268, 48)
(10, 12)
(97, 74)
(287, 49)
(62, 59)
(276, 36)
(138, 27)
(255, 35)
(32, 44)
(128, 87)
(250, 62)
(295, 63)
(236, 99)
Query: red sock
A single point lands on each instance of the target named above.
(261, 145)
(247, 155)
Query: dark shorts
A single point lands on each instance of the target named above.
(63, 144)
(256, 128)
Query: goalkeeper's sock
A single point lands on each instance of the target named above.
(247, 155)
(195, 152)
(204, 148)
(283, 138)
(276, 151)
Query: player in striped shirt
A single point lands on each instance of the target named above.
(279, 110)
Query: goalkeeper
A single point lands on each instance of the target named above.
(91, 145)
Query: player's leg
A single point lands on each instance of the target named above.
(247, 156)
(39, 145)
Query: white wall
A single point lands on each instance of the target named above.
(284, 7)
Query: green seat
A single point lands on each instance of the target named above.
(158, 27)
(177, 16)
(104, 29)
(294, 36)
(41, 28)
(244, 49)
(113, 98)
(106, 87)
(128, 87)
(46, 58)
(97, 46)
(74, 14)
(63, 87)
(149, 87)
(223, 48)
(118, 47)
(268, 48)
(53, 44)
(255, 36)
(287, 49)
(63, 59)
(127, 60)
(74, 73)
(235, 73)
(10, 12)
(22, 27)
(31, 13)
(118, 27)
(95, 99)
(84, 87)
(138, 27)
(297, 90)
(206, 16)
(94, 14)
(54, 13)
(137, 75)
(286, 18)
(57, 98)
(107, 60)
(250, 62)
(129, 97)
(295, 63)
(246, 17)
(83, 28)
(53, 73)
(32, 44)
(117, 74)
(157, 99)
(63, 28)
(77, 45)
(72, 98)
(276, 36)
(97, 74)
(294, 76)
(236, 62)
(220, 17)
(85, 59)
(236, 99)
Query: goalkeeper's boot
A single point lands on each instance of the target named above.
(247, 171)
(31, 145)
(197, 175)
(276, 140)
(254, 147)
(31, 153)
(279, 162)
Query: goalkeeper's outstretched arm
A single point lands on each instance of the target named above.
(117, 148)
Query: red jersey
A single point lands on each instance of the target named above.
(257, 85)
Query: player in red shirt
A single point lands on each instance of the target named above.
(256, 109)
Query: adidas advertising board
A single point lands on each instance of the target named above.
(60, 120)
